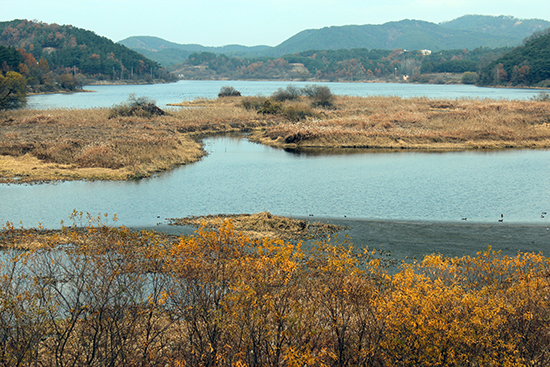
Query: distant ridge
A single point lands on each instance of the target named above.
(506, 25)
(405, 34)
(466, 32)
(168, 53)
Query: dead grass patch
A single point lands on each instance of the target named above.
(68, 144)
(33, 239)
(86, 144)
(263, 225)
(418, 123)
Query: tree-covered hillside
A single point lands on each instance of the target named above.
(169, 53)
(512, 27)
(467, 32)
(10, 58)
(406, 34)
(527, 65)
(339, 65)
(167, 56)
(81, 51)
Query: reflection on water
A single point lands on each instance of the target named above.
(316, 152)
(243, 177)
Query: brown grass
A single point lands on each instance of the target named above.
(419, 123)
(262, 225)
(85, 144)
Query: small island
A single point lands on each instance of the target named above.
(263, 225)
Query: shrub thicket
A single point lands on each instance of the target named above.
(270, 108)
(253, 103)
(320, 95)
(469, 78)
(541, 97)
(13, 91)
(296, 113)
(107, 296)
(288, 94)
(136, 106)
(228, 91)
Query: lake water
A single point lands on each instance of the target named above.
(242, 177)
(106, 96)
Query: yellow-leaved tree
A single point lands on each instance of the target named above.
(13, 91)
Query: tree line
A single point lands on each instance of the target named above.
(526, 65)
(338, 65)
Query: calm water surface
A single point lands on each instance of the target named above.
(106, 95)
(425, 191)
(242, 177)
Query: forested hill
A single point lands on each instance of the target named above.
(169, 53)
(156, 44)
(527, 65)
(65, 48)
(511, 27)
(467, 32)
(405, 34)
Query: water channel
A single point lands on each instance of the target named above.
(238, 176)
(372, 191)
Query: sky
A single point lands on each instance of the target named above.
(249, 22)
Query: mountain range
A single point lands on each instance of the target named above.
(466, 32)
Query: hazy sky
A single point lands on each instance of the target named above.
(248, 22)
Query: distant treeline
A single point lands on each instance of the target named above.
(338, 65)
(525, 65)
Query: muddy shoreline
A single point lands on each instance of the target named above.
(415, 239)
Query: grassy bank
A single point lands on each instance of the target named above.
(88, 144)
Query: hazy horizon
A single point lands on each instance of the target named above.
(249, 22)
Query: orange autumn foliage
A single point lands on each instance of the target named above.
(102, 295)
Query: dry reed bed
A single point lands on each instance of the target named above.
(419, 123)
(62, 144)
